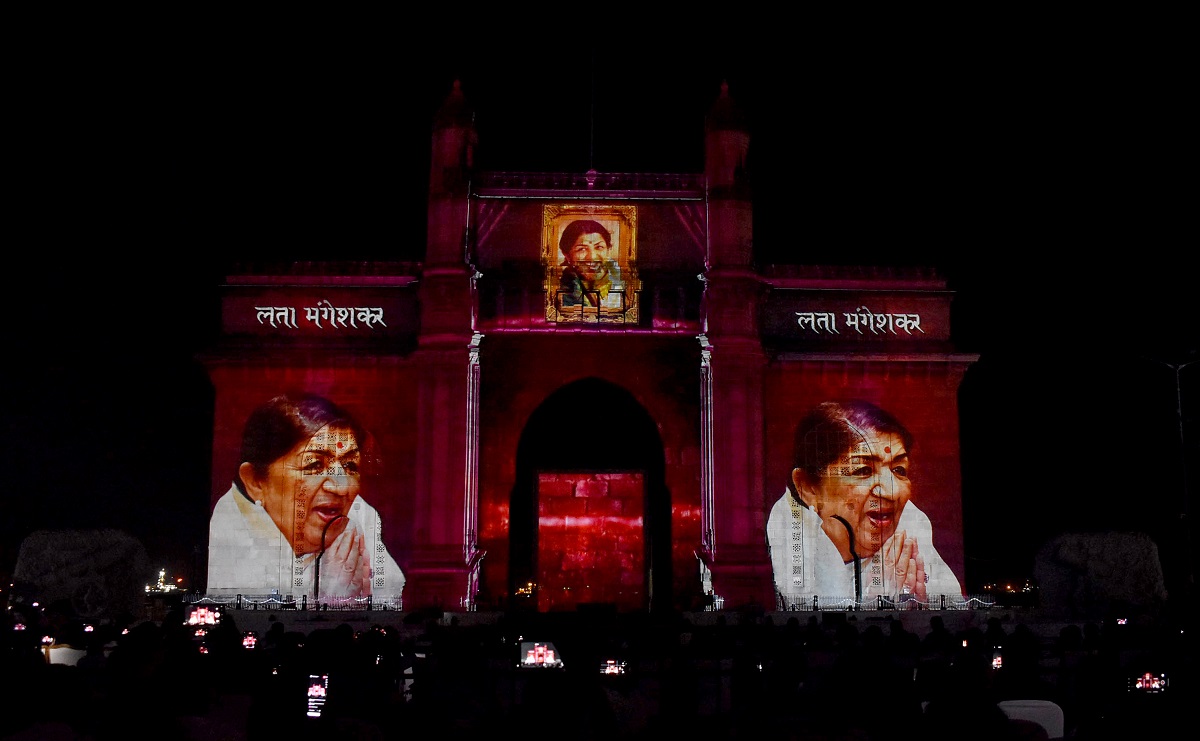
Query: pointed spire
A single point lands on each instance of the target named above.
(455, 110)
(725, 113)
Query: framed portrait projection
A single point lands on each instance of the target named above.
(864, 506)
(304, 508)
(590, 256)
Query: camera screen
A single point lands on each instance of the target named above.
(202, 615)
(540, 655)
(1148, 683)
(318, 686)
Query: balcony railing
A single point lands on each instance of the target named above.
(590, 184)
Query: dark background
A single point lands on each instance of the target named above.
(1038, 176)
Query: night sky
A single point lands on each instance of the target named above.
(1033, 181)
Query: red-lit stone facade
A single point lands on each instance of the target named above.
(544, 458)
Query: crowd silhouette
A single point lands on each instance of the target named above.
(823, 676)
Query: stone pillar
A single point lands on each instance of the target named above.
(734, 549)
(442, 558)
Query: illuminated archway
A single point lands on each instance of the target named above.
(590, 512)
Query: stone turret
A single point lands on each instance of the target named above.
(438, 569)
(741, 572)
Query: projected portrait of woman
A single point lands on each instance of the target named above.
(848, 526)
(589, 251)
(294, 519)
(590, 273)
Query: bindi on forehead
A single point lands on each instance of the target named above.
(331, 447)
(887, 442)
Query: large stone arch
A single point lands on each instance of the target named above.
(591, 438)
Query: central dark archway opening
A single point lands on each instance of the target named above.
(590, 511)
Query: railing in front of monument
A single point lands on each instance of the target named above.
(292, 602)
(818, 603)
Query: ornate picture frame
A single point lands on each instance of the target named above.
(600, 289)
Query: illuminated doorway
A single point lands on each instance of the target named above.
(591, 548)
(590, 512)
